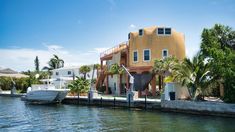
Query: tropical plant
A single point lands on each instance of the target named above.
(218, 44)
(36, 63)
(32, 77)
(84, 70)
(116, 69)
(194, 74)
(54, 63)
(97, 67)
(79, 85)
(5, 83)
(164, 67)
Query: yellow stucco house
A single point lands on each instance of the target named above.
(138, 55)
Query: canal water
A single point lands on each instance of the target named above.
(15, 115)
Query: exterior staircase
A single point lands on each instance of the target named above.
(100, 79)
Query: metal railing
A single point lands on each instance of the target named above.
(42, 87)
(114, 49)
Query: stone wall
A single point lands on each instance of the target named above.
(208, 108)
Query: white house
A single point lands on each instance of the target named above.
(63, 76)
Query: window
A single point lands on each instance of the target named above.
(160, 31)
(141, 32)
(69, 72)
(129, 36)
(146, 55)
(164, 53)
(135, 56)
(164, 31)
(57, 73)
(168, 31)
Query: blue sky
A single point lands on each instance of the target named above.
(77, 30)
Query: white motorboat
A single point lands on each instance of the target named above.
(45, 93)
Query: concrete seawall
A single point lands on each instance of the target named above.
(203, 108)
(113, 103)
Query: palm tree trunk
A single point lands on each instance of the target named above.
(160, 83)
(221, 89)
(85, 76)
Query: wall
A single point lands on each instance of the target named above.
(114, 79)
(150, 40)
(63, 72)
(181, 92)
(200, 107)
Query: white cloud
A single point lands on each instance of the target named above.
(132, 26)
(54, 47)
(22, 59)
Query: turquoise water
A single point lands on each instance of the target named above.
(15, 115)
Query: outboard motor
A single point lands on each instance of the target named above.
(29, 89)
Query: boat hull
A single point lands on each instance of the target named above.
(46, 96)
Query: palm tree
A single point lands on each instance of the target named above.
(97, 67)
(80, 85)
(195, 75)
(116, 69)
(54, 63)
(164, 67)
(36, 63)
(84, 70)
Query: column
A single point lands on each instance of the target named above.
(160, 82)
(107, 85)
(101, 65)
(120, 84)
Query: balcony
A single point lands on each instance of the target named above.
(107, 54)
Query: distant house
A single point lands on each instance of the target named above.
(138, 55)
(7, 72)
(63, 76)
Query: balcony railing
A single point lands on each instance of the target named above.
(114, 49)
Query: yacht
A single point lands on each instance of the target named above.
(45, 93)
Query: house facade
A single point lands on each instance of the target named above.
(138, 55)
(63, 76)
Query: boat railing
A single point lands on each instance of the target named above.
(42, 87)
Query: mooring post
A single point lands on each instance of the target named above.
(145, 102)
(114, 101)
(101, 101)
(89, 100)
(78, 100)
(129, 100)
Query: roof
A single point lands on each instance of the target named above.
(150, 30)
(17, 75)
(8, 71)
(72, 67)
(67, 68)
